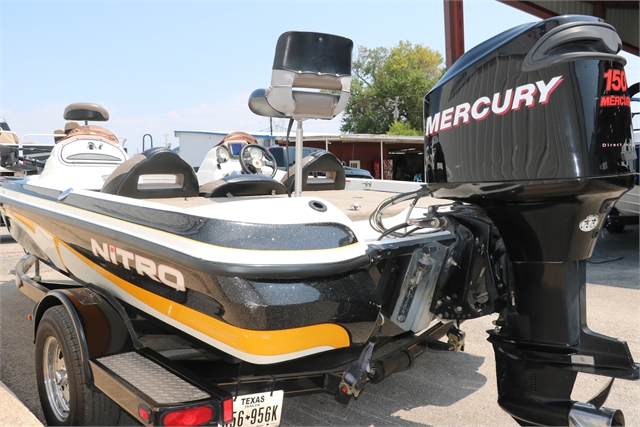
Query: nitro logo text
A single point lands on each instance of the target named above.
(499, 104)
(143, 266)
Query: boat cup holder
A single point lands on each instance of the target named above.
(318, 206)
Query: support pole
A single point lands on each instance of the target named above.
(298, 176)
(453, 30)
(381, 161)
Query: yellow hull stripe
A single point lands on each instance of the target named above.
(255, 342)
(26, 221)
(31, 225)
(259, 343)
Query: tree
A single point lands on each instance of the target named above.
(386, 80)
(402, 128)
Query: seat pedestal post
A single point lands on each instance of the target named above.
(298, 176)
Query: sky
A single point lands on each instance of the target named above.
(162, 66)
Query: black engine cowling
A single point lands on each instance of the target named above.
(535, 124)
(534, 127)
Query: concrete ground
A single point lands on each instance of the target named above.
(442, 389)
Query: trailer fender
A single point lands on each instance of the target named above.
(100, 328)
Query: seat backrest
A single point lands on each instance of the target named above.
(318, 161)
(8, 137)
(242, 185)
(69, 126)
(155, 173)
(86, 111)
(311, 61)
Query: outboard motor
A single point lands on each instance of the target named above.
(534, 127)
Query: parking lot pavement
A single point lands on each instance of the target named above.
(13, 411)
(442, 389)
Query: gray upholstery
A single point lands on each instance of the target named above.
(310, 61)
(124, 181)
(242, 185)
(86, 111)
(319, 161)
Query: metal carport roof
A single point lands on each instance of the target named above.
(623, 15)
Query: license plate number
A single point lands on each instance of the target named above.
(257, 410)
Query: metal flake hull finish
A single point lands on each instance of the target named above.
(243, 317)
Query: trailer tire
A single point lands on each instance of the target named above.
(64, 395)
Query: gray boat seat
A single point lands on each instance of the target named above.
(310, 61)
(318, 161)
(86, 111)
(8, 137)
(69, 126)
(59, 135)
(164, 175)
(242, 185)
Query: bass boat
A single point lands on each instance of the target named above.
(288, 284)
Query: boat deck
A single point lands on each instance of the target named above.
(368, 201)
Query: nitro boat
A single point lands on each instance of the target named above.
(294, 284)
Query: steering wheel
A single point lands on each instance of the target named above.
(254, 157)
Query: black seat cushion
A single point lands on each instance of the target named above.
(242, 185)
(318, 161)
(124, 181)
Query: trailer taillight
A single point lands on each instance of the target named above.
(227, 411)
(188, 417)
(144, 413)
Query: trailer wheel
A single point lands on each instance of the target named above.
(64, 395)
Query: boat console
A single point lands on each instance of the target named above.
(237, 153)
(533, 129)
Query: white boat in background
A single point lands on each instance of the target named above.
(629, 203)
(627, 209)
(28, 157)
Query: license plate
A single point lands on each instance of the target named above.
(257, 410)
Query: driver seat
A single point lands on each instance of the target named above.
(242, 185)
(311, 61)
(317, 63)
